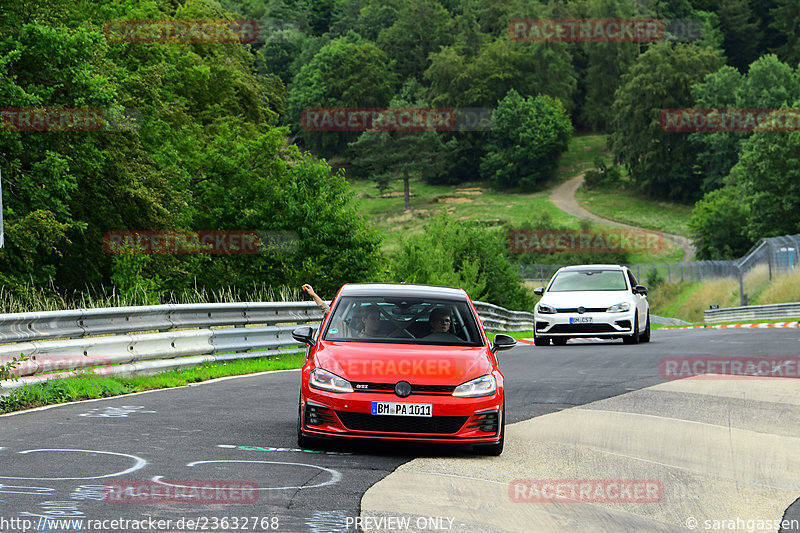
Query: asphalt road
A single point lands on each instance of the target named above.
(55, 462)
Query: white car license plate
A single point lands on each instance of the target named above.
(580, 320)
(401, 409)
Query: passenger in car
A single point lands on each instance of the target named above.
(440, 320)
(317, 300)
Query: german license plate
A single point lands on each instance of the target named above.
(401, 409)
(580, 320)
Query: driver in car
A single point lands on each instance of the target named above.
(439, 322)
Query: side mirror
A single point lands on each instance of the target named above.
(304, 334)
(640, 289)
(503, 342)
(538, 291)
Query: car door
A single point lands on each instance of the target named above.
(641, 302)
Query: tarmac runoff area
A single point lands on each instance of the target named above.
(720, 449)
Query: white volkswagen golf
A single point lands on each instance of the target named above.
(592, 301)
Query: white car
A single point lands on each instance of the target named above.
(592, 301)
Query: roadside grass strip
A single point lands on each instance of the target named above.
(751, 325)
(89, 386)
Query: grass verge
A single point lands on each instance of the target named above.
(631, 208)
(90, 386)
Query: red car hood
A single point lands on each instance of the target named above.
(390, 363)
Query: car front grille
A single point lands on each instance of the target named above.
(415, 389)
(583, 328)
(401, 424)
(585, 310)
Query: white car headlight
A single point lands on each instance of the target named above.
(482, 386)
(322, 379)
(619, 308)
(546, 309)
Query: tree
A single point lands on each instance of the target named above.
(347, 72)
(606, 63)
(658, 162)
(768, 84)
(718, 225)
(786, 23)
(421, 27)
(384, 156)
(528, 136)
(768, 173)
(459, 254)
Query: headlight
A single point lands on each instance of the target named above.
(546, 309)
(322, 379)
(482, 386)
(619, 308)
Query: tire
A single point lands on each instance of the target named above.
(645, 337)
(494, 449)
(559, 341)
(541, 341)
(634, 337)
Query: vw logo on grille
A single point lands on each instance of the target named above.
(403, 389)
(581, 310)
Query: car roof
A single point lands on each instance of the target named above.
(593, 267)
(402, 289)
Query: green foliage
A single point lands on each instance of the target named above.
(528, 135)
(347, 72)
(718, 225)
(768, 174)
(654, 279)
(605, 177)
(768, 84)
(420, 28)
(659, 162)
(455, 254)
(133, 285)
(7, 368)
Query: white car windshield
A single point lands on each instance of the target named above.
(588, 280)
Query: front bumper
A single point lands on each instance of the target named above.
(602, 324)
(453, 420)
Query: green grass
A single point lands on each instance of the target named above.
(580, 155)
(634, 209)
(89, 386)
(516, 334)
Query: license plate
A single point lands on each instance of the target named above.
(401, 409)
(580, 320)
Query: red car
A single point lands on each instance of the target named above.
(402, 362)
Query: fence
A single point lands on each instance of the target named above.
(121, 341)
(777, 255)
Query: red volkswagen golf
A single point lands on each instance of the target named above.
(402, 362)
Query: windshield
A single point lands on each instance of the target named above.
(404, 321)
(588, 280)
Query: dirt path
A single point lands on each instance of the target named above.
(563, 197)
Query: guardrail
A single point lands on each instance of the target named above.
(152, 339)
(496, 318)
(752, 312)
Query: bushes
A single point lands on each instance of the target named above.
(452, 253)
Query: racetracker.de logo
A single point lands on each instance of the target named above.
(586, 30)
(51, 119)
(378, 119)
(585, 491)
(181, 242)
(535, 241)
(181, 31)
(196, 492)
(729, 120)
(729, 367)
